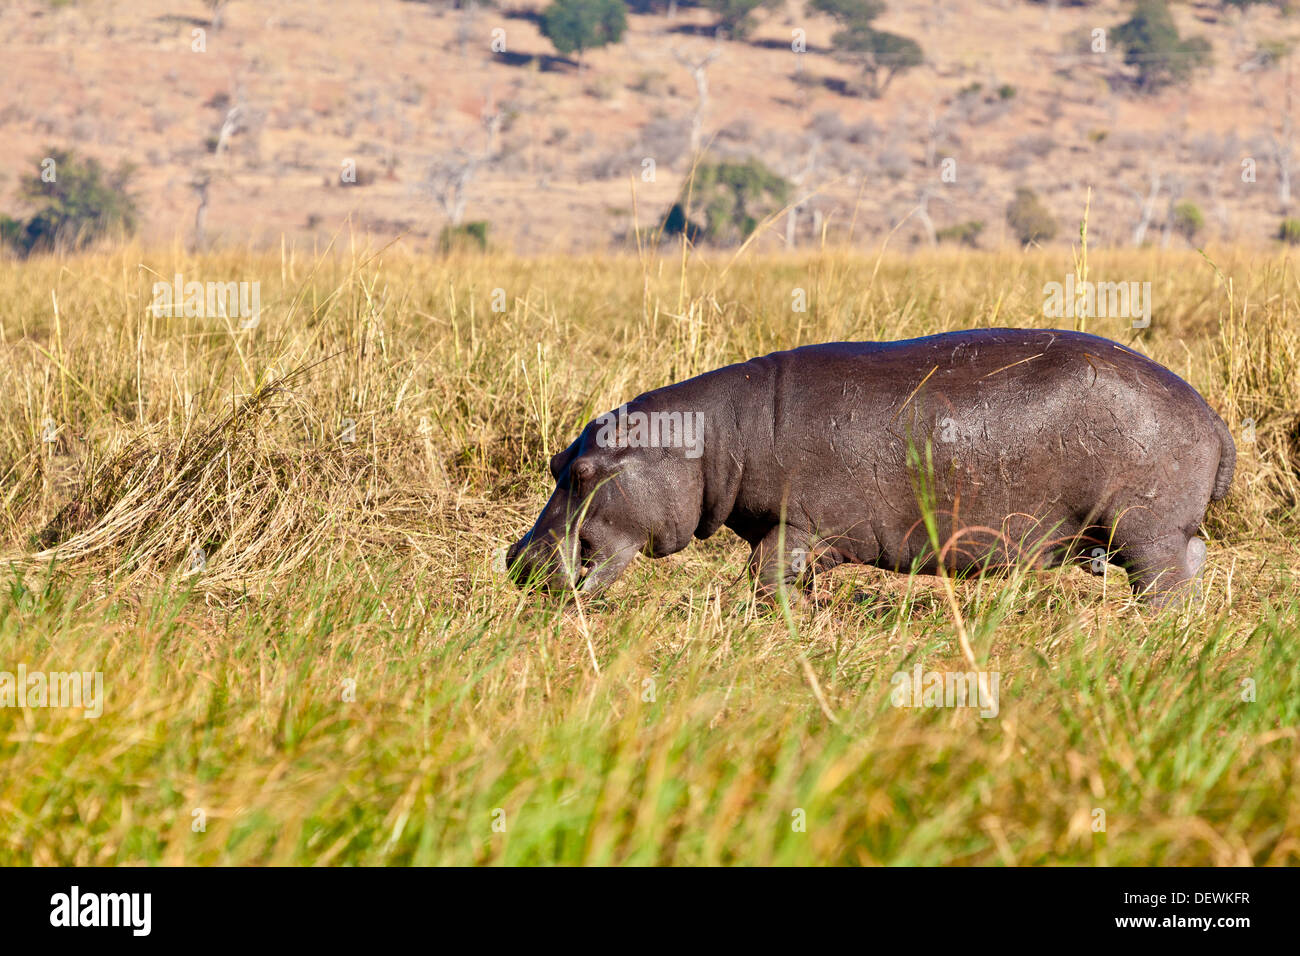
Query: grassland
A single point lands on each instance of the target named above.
(345, 677)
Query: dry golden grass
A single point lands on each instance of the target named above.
(346, 678)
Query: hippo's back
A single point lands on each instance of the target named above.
(1017, 376)
(979, 355)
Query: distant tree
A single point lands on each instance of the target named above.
(1029, 219)
(881, 55)
(736, 17)
(1152, 45)
(733, 198)
(76, 202)
(850, 11)
(582, 25)
(666, 7)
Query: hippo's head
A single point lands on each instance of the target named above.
(620, 489)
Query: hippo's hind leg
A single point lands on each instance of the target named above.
(780, 560)
(1165, 568)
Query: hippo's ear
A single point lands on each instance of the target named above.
(561, 460)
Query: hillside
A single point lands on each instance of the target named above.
(280, 101)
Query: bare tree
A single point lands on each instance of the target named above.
(800, 179)
(466, 26)
(1049, 18)
(938, 131)
(1174, 188)
(1214, 190)
(492, 116)
(1147, 206)
(232, 124)
(447, 180)
(218, 8)
(200, 185)
(927, 193)
(936, 16)
(1279, 139)
(698, 67)
(1282, 147)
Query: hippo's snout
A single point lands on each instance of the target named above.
(556, 564)
(522, 560)
(538, 561)
(514, 551)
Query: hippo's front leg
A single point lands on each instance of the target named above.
(780, 561)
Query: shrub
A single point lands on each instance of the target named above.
(1188, 220)
(82, 203)
(964, 233)
(1029, 218)
(466, 237)
(11, 231)
(1038, 145)
(675, 224)
(733, 198)
(362, 176)
(1289, 232)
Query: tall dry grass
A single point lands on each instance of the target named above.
(344, 676)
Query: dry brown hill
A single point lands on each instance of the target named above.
(285, 95)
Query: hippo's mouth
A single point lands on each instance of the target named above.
(585, 562)
(587, 577)
(558, 565)
(587, 565)
(596, 569)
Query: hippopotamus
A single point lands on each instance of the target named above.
(966, 451)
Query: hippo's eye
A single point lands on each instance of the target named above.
(581, 474)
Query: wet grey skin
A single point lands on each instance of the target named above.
(1043, 447)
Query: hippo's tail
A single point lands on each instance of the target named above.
(1227, 459)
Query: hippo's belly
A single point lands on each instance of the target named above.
(983, 514)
